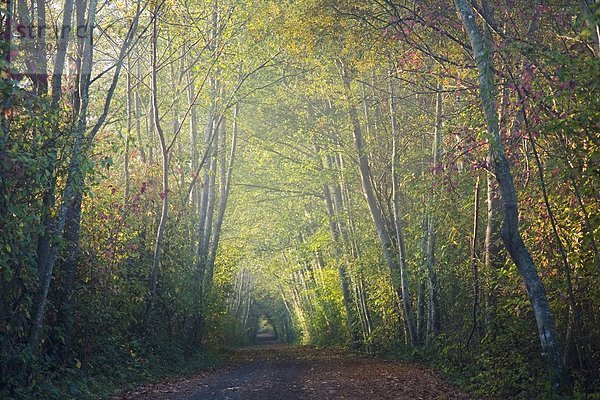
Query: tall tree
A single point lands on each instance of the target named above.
(510, 230)
(164, 194)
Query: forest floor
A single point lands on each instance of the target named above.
(276, 371)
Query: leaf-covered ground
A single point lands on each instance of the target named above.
(284, 372)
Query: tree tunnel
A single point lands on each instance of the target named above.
(267, 323)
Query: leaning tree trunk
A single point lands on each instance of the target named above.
(386, 242)
(72, 188)
(511, 236)
(72, 194)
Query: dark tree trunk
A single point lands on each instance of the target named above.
(69, 270)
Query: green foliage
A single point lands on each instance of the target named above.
(130, 364)
(298, 70)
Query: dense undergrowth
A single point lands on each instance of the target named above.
(116, 368)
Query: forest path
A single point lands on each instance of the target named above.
(275, 371)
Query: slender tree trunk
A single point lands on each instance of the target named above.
(160, 231)
(349, 237)
(175, 123)
(434, 317)
(41, 54)
(406, 300)
(211, 131)
(474, 261)
(343, 274)
(226, 174)
(342, 242)
(494, 259)
(137, 108)
(128, 131)
(376, 214)
(195, 317)
(193, 134)
(211, 198)
(150, 129)
(61, 53)
(511, 236)
(421, 300)
(361, 294)
(220, 164)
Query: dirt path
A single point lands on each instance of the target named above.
(273, 372)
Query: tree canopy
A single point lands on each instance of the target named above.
(414, 179)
